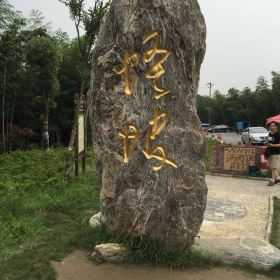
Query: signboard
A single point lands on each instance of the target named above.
(239, 158)
(81, 133)
(239, 125)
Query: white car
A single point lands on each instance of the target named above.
(254, 135)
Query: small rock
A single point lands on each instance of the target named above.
(96, 219)
(96, 256)
(110, 252)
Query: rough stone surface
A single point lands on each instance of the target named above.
(244, 251)
(135, 199)
(110, 252)
(96, 219)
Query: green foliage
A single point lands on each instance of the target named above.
(43, 70)
(207, 158)
(36, 20)
(30, 58)
(88, 20)
(275, 236)
(42, 61)
(275, 231)
(246, 105)
(7, 13)
(41, 217)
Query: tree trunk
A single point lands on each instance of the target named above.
(45, 131)
(11, 123)
(3, 108)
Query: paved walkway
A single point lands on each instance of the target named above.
(237, 207)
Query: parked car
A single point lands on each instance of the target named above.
(205, 127)
(254, 135)
(220, 128)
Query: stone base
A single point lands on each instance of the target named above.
(258, 254)
(243, 251)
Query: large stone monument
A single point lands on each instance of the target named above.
(147, 139)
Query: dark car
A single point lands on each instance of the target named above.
(220, 128)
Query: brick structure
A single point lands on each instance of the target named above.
(234, 160)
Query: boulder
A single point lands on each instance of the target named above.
(148, 142)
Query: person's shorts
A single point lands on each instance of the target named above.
(273, 162)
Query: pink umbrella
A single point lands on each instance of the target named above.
(275, 118)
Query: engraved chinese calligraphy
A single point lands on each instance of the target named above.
(158, 151)
(130, 134)
(130, 59)
(157, 69)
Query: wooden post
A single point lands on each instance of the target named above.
(84, 167)
(84, 164)
(77, 137)
(81, 136)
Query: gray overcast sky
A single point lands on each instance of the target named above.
(243, 39)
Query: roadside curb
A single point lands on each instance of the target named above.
(270, 218)
(237, 176)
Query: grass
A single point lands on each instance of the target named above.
(210, 143)
(275, 237)
(275, 231)
(41, 217)
(146, 250)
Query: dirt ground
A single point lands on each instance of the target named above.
(77, 266)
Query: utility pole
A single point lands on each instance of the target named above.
(210, 85)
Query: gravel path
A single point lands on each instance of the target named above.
(237, 207)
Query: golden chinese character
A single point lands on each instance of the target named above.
(158, 152)
(130, 133)
(154, 122)
(157, 69)
(130, 59)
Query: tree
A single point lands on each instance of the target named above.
(275, 91)
(36, 20)
(262, 84)
(7, 14)
(263, 96)
(90, 21)
(204, 108)
(42, 59)
(70, 81)
(11, 58)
